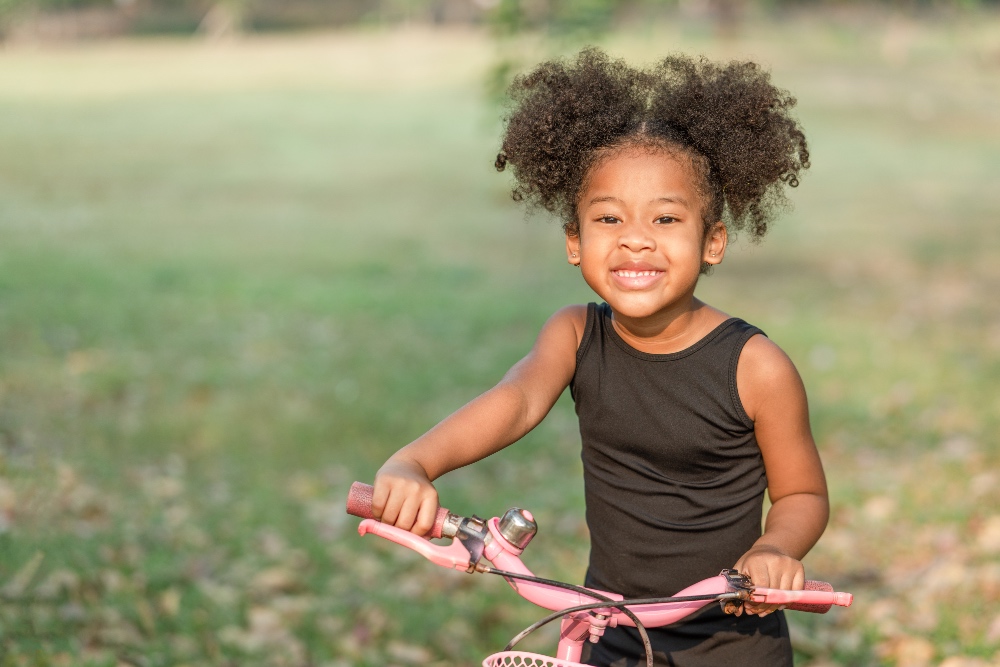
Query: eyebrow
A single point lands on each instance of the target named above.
(672, 200)
(668, 200)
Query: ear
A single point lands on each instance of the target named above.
(573, 249)
(715, 244)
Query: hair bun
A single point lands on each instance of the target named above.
(729, 116)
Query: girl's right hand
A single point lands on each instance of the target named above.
(404, 497)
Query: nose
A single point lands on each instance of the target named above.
(636, 237)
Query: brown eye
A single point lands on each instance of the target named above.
(666, 220)
(608, 219)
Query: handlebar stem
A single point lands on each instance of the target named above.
(573, 632)
(598, 622)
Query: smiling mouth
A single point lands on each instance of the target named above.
(635, 274)
(630, 279)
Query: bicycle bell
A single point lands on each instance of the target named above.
(517, 527)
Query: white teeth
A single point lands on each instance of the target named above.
(636, 274)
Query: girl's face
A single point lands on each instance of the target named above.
(642, 240)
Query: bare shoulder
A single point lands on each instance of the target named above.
(559, 339)
(570, 318)
(761, 357)
(765, 374)
(549, 366)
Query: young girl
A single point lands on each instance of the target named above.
(686, 414)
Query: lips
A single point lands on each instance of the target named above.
(636, 275)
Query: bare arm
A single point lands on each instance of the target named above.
(404, 495)
(774, 397)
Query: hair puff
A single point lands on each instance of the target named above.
(735, 124)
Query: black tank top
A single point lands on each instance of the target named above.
(673, 476)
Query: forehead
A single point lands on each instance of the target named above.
(641, 172)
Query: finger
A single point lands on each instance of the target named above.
(794, 577)
(799, 580)
(761, 609)
(380, 495)
(749, 606)
(760, 578)
(758, 573)
(775, 579)
(407, 514)
(779, 580)
(426, 515)
(393, 504)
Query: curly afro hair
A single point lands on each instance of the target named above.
(733, 124)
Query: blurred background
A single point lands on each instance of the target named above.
(249, 248)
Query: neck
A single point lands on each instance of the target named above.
(669, 330)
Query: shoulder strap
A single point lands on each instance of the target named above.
(743, 332)
(589, 330)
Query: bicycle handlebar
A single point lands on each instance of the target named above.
(359, 504)
(815, 597)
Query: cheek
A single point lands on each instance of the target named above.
(596, 280)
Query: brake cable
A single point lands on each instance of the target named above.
(603, 601)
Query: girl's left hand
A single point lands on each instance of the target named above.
(768, 567)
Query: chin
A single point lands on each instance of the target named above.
(633, 308)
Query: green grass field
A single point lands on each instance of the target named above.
(235, 277)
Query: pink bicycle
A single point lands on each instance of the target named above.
(585, 613)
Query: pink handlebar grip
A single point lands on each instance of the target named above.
(359, 503)
(814, 608)
(816, 597)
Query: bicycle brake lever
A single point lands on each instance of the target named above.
(453, 556)
(472, 534)
(737, 583)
